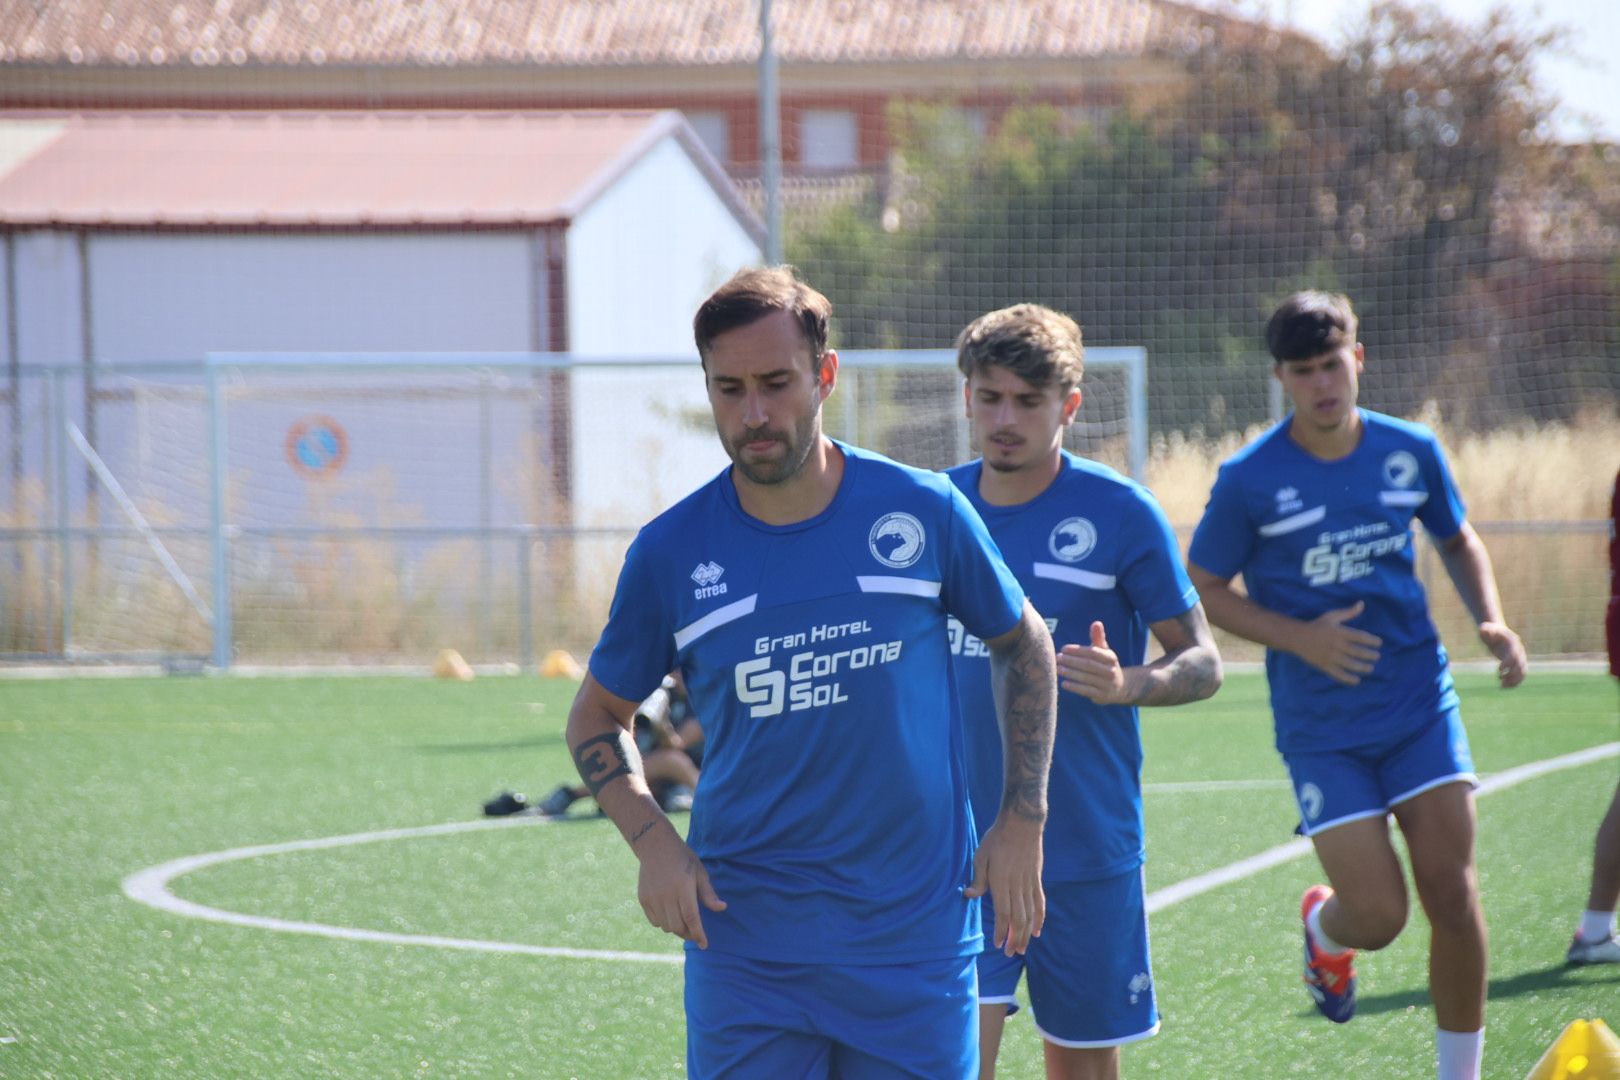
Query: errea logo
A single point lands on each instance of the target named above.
(707, 576)
(1288, 500)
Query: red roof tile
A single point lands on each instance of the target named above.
(326, 169)
(227, 33)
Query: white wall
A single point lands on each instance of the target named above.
(179, 297)
(641, 258)
(49, 324)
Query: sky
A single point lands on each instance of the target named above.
(1588, 84)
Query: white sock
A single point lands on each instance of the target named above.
(1597, 925)
(1458, 1053)
(1324, 944)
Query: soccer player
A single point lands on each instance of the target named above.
(1316, 515)
(1596, 941)
(670, 742)
(1098, 560)
(828, 887)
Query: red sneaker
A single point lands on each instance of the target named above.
(1330, 979)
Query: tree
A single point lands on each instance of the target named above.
(1398, 169)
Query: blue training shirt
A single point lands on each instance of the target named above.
(832, 815)
(1092, 546)
(1310, 536)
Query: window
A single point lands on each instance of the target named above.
(828, 138)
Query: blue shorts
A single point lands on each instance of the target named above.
(759, 1018)
(1090, 978)
(1339, 786)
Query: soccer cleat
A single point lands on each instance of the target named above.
(557, 803)
(507, 802)
(1603, 951)
(1330, 979)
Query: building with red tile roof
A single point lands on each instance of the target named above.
(842, 62)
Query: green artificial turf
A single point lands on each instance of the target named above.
(101, 778)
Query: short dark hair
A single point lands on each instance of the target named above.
(759, 291)
(1309, 324)
(1035, 343)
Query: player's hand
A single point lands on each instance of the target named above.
(1093, 671)
(1343, 652)
(1508, 650)
(673, 883)
(1008, 867)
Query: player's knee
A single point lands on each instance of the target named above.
(1450, 900)
(1385, 928)
(1377, 919)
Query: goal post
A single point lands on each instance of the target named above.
(371, 504)
(1112, 423)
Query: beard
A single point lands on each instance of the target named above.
(796, 446)
(999, 460)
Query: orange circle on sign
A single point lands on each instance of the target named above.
(317, 446)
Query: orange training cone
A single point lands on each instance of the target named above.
(559, 665)
(450, 665)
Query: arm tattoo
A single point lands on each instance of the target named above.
(639, 833)
(1187, 672)
(603, 758)
(1025, 677)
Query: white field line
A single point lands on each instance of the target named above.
(1300, 846)
(151, 886)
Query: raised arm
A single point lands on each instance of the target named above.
(1469, 566)
(672, 881)
(1189, 670)
(1325, 642)
(1023, 673)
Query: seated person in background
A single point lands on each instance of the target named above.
(671, 745)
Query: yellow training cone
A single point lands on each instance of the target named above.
(559, 665)
(449, 665)
(1584, 1051)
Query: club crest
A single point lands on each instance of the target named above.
(1400, 469)
(897, 540)
(1073, 539)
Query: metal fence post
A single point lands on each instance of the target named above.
(64, 539)
(525, 552)
(217, 526)
(486, 545)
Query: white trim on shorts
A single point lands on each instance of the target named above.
(1000, 999)
(1312, 830)
(1099, 1044)
(1473, 782)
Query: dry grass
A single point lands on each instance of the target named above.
(370, 598)
(1551, 472)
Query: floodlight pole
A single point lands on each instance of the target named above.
(770, 137)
